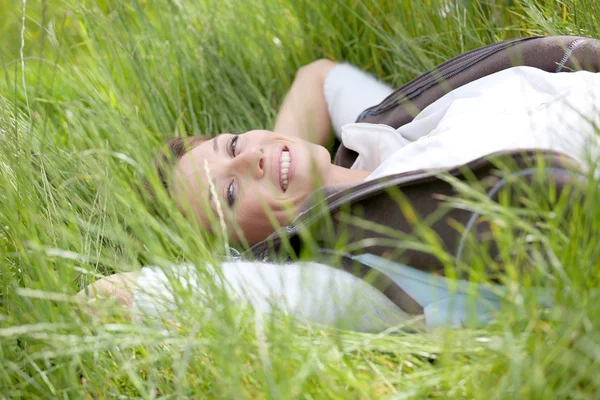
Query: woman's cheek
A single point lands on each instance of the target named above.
(256, 230)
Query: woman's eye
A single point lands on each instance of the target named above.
(233, 145)
(230, 195)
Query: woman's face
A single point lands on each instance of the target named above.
(260, 178)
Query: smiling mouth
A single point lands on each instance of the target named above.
(284, 165)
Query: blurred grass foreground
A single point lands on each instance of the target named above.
(89, 89)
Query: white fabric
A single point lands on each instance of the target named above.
(348, 92)
(519, 108)
(310, 291)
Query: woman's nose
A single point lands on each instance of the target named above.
(250, 162)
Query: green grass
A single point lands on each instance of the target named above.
(95, 89)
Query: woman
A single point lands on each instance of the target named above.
(317, 100)
(261, 179)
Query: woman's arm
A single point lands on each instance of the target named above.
(304, 111)
(309, 291)
(326, 95)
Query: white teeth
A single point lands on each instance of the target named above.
(285, 166)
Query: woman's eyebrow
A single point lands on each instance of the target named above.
(216, 144)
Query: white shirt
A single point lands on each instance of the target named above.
(308, 291)
(519, 108)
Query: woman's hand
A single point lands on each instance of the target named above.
(304, 112)
(118, 288)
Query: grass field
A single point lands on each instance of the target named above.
(89, 89)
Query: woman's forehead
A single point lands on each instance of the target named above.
(190, 180)
(194, 160)
(190, 172)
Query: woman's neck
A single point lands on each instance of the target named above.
(339, 175)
